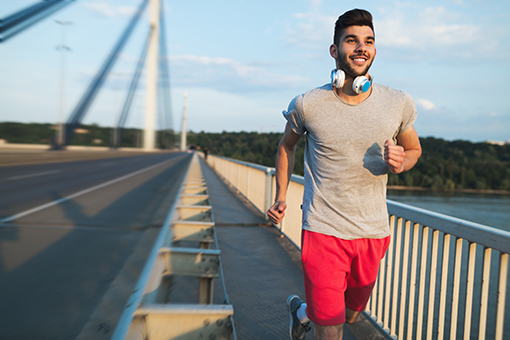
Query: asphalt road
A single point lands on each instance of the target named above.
(67, 232)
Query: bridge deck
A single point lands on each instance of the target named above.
(261, 268)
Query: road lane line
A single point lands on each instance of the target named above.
(68, 227)
(67, 198)
(37, 174)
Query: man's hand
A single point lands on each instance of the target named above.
(276, 212)
(394, 156)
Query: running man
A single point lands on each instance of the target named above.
(356, 132)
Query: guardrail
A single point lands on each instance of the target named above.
(168, 302)
(442, 277)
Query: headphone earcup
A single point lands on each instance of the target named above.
(361, 85)
(337, 78)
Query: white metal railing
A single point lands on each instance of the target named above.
(257, 184)
(442, 277)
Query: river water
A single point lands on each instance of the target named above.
(492, 210)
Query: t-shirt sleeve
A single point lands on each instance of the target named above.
(409, 113)
(295, 116)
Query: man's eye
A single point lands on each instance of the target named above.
(350, 41)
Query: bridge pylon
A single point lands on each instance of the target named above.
(149, 138)
(184, 123)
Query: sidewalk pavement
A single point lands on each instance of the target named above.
(261, 267)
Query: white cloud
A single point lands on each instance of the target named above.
(228, 75)
(425, 28)
(315, 3)
(425, 104)
(104, 9)
(240, 68)
(310, 30)
(126, 11)
(110, 11)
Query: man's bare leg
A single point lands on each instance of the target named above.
(328, 332)
(336, 332)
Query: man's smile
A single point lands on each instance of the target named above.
(359, 60)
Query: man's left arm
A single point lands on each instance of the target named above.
(403, 156)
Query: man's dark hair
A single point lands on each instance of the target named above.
(355, 17)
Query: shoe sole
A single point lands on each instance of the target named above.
(290, 313)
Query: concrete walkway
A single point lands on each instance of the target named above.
(261, 268)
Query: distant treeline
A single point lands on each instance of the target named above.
(443, 165)
(87, 135)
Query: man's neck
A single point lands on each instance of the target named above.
(349, 96)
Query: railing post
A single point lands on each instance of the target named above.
(469, 291)
(248, 192)
(444, 286)
(412, 285)
(456, 288)
(269, 187)
(485, 292)
(432, 286)
(423, 272)
(503, 275)
(396, 283)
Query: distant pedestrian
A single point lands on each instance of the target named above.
(206, 153)
(357, 132)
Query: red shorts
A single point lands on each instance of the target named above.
(338, 273)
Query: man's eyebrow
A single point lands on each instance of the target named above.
(370, 37)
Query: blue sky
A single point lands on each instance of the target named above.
(241, 62)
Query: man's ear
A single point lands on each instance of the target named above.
(333, 51)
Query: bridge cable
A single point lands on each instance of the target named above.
(17, 22)
(131, 93)
(84, 104)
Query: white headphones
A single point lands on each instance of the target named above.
(360, 84)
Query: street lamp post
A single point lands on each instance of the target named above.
(61, 132)
(115, 144)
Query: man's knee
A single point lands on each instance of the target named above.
(352, 317)
(352, 321)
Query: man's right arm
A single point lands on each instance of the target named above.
(284, 166)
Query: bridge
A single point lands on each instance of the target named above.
(158, 244)
(111, 247)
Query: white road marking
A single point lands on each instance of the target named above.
(37, 174)
(67, 198)
(64, 227)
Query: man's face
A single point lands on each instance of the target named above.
(356, 50)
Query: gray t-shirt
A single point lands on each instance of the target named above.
(345, 173)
